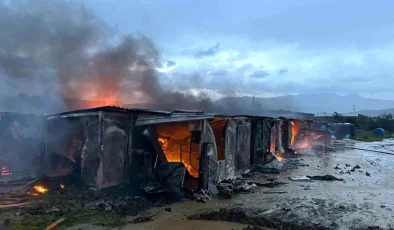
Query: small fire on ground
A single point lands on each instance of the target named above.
(5, 171)
(40, 189)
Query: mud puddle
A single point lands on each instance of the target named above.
(257, 219)
(190, 225)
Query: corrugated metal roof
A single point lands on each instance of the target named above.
(240, 115)
(5, 113)
(113, 109)
(173, 118)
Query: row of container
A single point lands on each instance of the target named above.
(108, 146)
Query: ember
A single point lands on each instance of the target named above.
(62, 186)
(40, 189)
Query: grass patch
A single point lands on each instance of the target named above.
(368, 136)
(101, 218)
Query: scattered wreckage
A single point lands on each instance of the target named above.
(153, 151)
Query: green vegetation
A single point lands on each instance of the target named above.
(368, 136)
(100, 218)
(365, 125)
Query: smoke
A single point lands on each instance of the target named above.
(53, 52)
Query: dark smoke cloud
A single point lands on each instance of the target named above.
(259, 74)
(171, 63)
(65, 51)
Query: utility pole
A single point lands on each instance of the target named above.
(253, 109)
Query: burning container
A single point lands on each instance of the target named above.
(93, 143)
(20, 144)
(182, 147)
(233, 142)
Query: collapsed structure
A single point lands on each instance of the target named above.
(108, 146)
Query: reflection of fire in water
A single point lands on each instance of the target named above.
(5, 171)
(177, 157)
(40, 189)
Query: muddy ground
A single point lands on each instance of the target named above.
(364, 200)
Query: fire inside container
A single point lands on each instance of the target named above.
(178, 146)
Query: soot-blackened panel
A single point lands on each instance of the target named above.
(259, 149)
(230, 148)
(90, 160)
(242, 155)
(209, 137)
(115, 139)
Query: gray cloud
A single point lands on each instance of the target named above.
(283, 71)
(246, 67)
(259, 74)
(170, 63)
(208, 52)
(219, 73)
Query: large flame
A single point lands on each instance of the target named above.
(298, 144)
(96, 94)
(294, 132)
(104, 101)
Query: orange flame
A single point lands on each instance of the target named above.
(176, 158)
(294, 132)
(62, 186)
(40, 189)
(107, 101)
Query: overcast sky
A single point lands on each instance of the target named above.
(265, 47)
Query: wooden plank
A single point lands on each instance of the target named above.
(55, 224)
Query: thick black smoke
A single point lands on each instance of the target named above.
(53, 52)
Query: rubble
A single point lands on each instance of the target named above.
(300, 178)
(354, 168)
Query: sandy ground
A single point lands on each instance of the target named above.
(359, 202)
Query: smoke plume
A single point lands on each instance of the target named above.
(54, 52)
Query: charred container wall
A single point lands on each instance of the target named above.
(96, 144)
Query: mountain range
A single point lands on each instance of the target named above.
(316, 103)
(307, 103)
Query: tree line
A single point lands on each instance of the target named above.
(363, 122)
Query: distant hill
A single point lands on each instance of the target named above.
(310, 103)
(306, 103)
